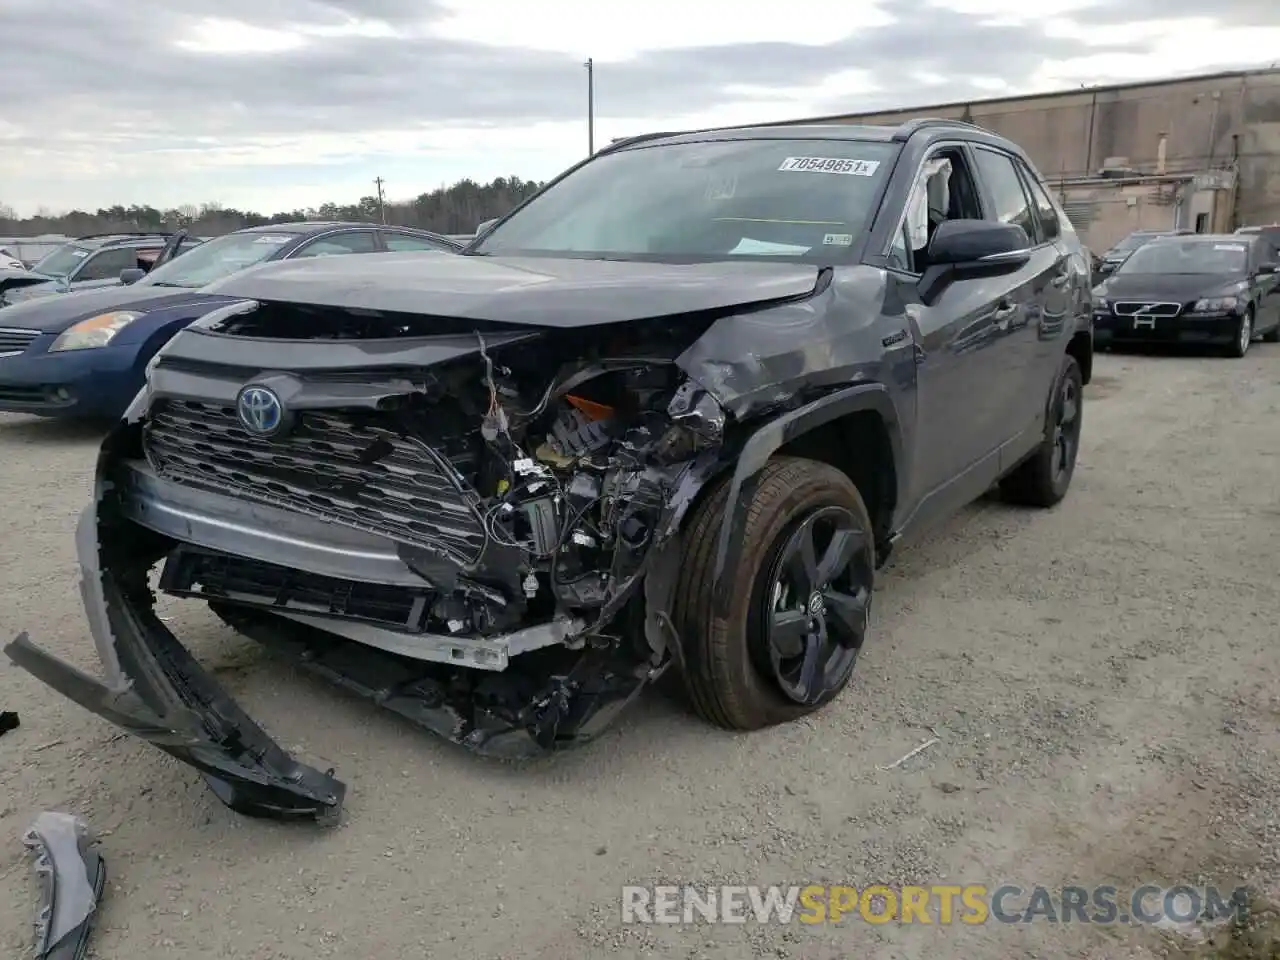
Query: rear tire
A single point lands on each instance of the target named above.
(777, 655)
(1042, 480)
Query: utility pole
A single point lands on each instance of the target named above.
(382, 207)
(591, 106)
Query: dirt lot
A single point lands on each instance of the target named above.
(1103, 680)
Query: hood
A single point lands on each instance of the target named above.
(11, 278)
(547, 292)
(1174, 287)
(55, 314)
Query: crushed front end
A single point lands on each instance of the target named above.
(473, 525)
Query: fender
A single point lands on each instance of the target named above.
(767, 440)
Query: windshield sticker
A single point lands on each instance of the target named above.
(856, 168)
(837, 240)
(747, 245)
(272, 239)
(1229, 246)
(79, 254)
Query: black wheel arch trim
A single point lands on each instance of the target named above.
(772, 436)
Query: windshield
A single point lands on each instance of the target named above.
(62, 261)
(788, 199)
(1196, 256)
(215, 259)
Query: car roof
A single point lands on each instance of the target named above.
(811, 131)
(1204, 238)
(303, 227)
(98, 240)
(928, 127)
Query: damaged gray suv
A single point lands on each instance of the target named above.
(674, 410)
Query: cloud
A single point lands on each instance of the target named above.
(1236, 13)
(99, 92)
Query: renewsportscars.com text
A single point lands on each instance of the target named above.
(941, 904)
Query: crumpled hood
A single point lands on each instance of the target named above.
(55, 314)
(548, 292)
(1173, 287)
(14, 278)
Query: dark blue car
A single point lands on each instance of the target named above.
(85, 354)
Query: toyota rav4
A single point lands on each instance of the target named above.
(674, 410)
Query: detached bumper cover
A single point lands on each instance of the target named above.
(154, 689)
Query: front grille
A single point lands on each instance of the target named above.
(410, 493)
(1146, 308)
(15, 341)
(208, 575)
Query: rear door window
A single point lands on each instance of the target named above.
(107, 264)
(340, 244)
(409, 241)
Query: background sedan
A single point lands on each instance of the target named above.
(85, 354)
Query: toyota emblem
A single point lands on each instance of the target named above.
(260, 411)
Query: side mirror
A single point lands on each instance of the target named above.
(131, 275)
(1266, 268)
(973, 249)
(486, 225)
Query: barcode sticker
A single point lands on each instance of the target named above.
(855, 168)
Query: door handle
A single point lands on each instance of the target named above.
(1060, 280)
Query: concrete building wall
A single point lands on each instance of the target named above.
(1209, 121)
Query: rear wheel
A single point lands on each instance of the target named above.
(801, 597)
(1042, 479)
(1244, 336)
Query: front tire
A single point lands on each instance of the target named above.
(802, 581)
(1244, 336)
(1042, 480)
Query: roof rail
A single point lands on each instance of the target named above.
(126, 233)
(619, 142)
(915, 124)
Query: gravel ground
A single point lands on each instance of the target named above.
(1102, 679)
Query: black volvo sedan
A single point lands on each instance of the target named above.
(1209, 289)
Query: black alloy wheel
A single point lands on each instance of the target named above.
(775, 635)
(815, 606)
(1042, 480)
(1066, 428)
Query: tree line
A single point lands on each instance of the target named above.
(453, 209)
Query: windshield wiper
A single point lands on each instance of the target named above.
(161, 283)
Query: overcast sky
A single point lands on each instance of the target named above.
(278, 104)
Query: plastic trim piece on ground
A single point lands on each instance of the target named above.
(72, 876)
